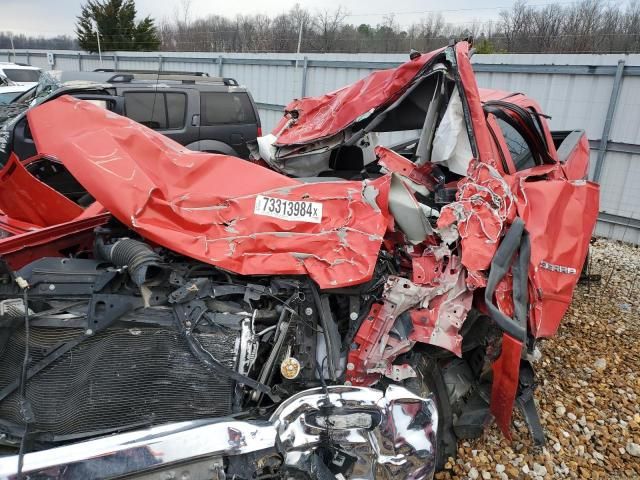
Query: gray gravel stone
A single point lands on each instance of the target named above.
(633, 449)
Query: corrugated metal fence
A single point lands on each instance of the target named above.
(600, 93)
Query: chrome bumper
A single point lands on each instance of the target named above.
(389, 435)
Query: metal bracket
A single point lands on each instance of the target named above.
(104, 309)
(397, 373)
(198, 288)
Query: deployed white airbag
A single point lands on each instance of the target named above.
(451, 146)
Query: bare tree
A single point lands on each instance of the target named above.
(327, 24)
(631, 27)
(182, 12)
(583, 26)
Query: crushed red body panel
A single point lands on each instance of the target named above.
(577, 165)
(53, 241)
(436, 313)
(550, 209)
(484, 204)
(204, 205)
(392, 162)
(505, 383)
(321, 117)
(426, 269)
(439, 321)
(24, 198)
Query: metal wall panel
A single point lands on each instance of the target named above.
(269, 118)
(575, 90)
(626, 122)
(624, 232)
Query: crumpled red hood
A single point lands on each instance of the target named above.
(329, 114)
(202, 205)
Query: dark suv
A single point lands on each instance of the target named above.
(207, 114)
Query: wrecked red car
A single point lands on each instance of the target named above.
(337, 308)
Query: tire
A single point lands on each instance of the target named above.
(585, 272)
(429, 381)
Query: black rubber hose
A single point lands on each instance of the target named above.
(141, 261)
(516, 240)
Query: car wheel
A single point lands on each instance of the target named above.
(429, 381)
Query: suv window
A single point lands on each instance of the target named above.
(220, 107)
(160, 111)
(22, 75)
(520, 152)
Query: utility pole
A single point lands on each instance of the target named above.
(13, 48)
(299, 37)
(98, 38)
(295, 75)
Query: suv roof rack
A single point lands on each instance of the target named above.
(125, 76)
(155, 72)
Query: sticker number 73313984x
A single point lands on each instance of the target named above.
(292, 210)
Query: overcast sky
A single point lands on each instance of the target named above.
(55, 17)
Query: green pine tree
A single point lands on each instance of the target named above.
(116, 21)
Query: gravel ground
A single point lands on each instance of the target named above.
(589, 379)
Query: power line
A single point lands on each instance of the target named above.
(233, 37)
(361, 14)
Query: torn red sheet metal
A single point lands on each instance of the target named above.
(506, 371)
(26, 199)
(53, 241)
(218, 209)
(374, 349)
(504, 295)
(325, 116)
(427, 269)
(484, 204)
(435, 315)
(393, 162)
(439, 321)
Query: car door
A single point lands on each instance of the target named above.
(168, 111)
(559, 214)
(227, 117)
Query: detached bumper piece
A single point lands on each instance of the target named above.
(357, 432)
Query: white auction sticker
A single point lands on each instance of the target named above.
(292, 210)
